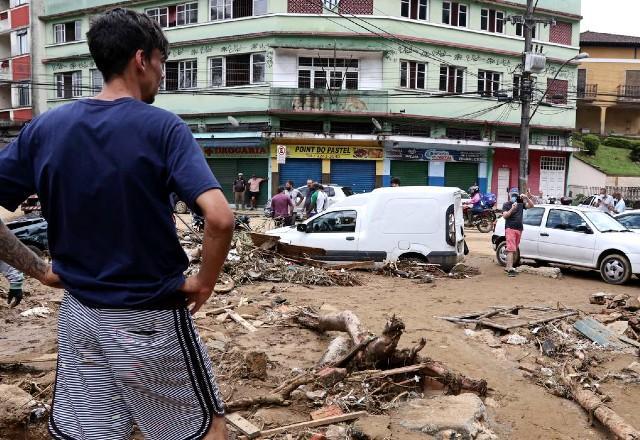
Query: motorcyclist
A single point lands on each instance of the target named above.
(475, 204)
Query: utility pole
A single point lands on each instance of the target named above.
(526, 94)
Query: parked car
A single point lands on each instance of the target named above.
(575, 236)
(32, 232)
(630, 219)
(386, 225)
(334, 192)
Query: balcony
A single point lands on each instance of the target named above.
(324, 100)
(4, 21)
(587, 92)
(629, 93)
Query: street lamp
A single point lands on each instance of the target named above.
(580, 56)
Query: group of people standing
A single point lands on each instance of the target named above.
(243, 188)
(284, 203)
(612, 204)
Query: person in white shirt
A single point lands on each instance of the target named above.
(604, 202)
(292, 192)
(620, 206)
(321, 202)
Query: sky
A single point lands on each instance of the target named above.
(608, 16)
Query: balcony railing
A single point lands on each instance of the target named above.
(629, 93)
(323, 100)
(588, 91)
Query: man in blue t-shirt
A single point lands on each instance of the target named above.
(104, 169)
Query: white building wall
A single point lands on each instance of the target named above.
(582, 174)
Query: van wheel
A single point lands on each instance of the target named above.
(181, 207)
(501, 255)
(615, 269)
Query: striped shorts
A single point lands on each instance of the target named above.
(118, 367)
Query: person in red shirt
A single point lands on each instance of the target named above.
(282, 206)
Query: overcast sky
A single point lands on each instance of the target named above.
(611, 16)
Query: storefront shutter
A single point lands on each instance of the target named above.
(299, 170)
(460, 174)
(226, 171)
(360, 175)
(410, 173)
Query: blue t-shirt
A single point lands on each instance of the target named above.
(104, 171)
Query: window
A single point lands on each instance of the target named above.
(451, 79)
(330, 4)
(488, 83)
(64, 32)
(216, 72)
(464, 133)
(181, 75)
(414, 9)
(492, 20)
(22, 42)
(631, 221)
(337, 73)
(533, 216)
(176, 15)
(257, 68)
(336, 221)
(520, 30)
(68, 84)
(186, 14)
(413, 75)
(565, 220)
(552, 163)
(24, 95)
(517, 84)
(553, 140)
(557, 91)
(454, 14)
(227, 9)
(96, 81)
(561, 33)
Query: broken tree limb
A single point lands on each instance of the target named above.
(315, 423)
(279, 396)
(595, 406)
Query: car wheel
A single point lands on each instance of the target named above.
(181, 207)
(615, 269)
(485, 226)
(501, 254)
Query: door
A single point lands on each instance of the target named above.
(359, 175)
(504, 179)
(460, 174)
(632, 84)
(300, 170)
(226, 171)
(334, 231)
(563, 238)
(410, 172)
(552, 174)
(531, 221)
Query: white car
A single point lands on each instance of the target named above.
(386, 224)
(575, 236)
(630, 219)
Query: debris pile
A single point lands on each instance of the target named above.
(426, 272)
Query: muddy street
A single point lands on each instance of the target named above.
(517, 407)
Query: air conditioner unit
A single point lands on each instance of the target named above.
(535, 63)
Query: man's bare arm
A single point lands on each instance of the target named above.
(15, 254)
(218, 231)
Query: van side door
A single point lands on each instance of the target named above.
(334, 231)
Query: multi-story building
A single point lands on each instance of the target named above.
(355, 91)
(15, 65)
(609, 85)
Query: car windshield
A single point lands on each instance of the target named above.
(604, 222)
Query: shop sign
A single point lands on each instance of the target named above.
(436, 155)
(235, 151)
(333, 152)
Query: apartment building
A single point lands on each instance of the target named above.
(354, 91)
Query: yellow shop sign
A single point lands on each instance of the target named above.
(330, 152)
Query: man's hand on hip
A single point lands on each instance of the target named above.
(197, 293)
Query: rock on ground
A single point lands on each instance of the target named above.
(442, 415)
(373, 427)
(14, 406)
(548, 272)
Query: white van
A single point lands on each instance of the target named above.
(386, 225)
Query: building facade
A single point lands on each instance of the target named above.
(15, 66)
(609, 85)
(354, 92)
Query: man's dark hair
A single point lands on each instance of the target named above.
(115, 37)
(290, 182)
(280, 189)
(395, 180)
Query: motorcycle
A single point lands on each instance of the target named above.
(483, 220)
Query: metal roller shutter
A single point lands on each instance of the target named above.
(460, 174)
(410, 173)
(360, 175)
(299, 170)
(226, 171)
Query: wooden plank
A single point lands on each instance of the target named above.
(629, 341)
(315, 423)
(243, 425)
(240, 320)
(597, 332)
(375, 374)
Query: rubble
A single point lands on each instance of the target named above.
(547, 272)
(16, 406)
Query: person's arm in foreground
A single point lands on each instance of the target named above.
(15, 254)
(218, 231)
